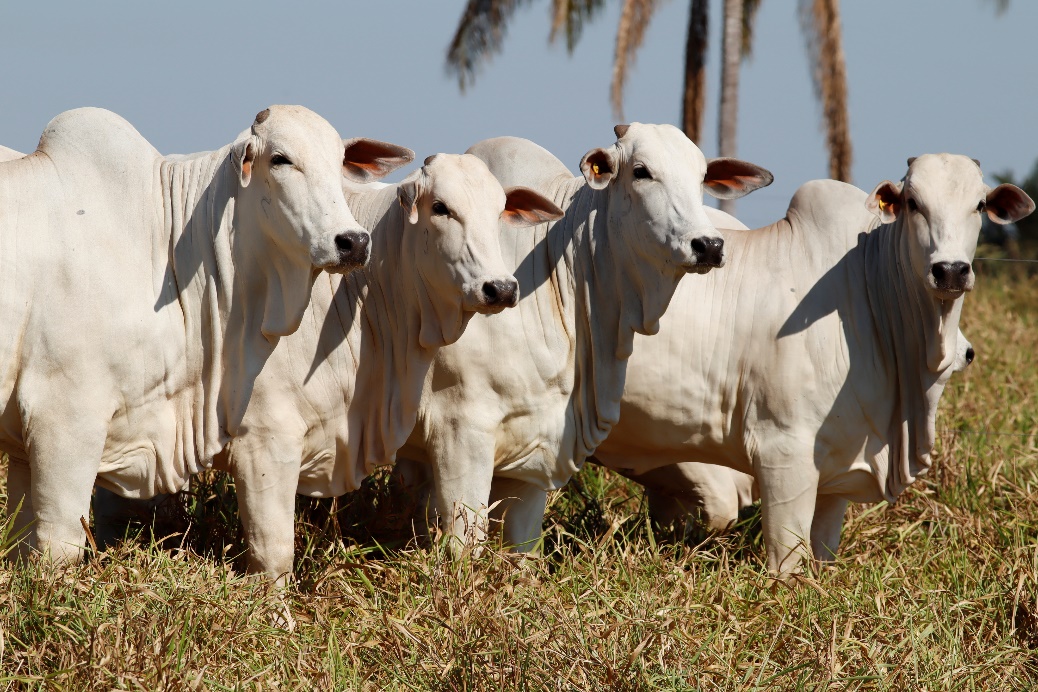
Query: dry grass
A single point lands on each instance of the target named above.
(937, 592)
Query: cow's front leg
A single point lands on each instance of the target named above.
(19, 499)
(266, 477)
(414, 480)
(788, 484)
(64, 456)
(520, 508)
(679, 492)
(826, 527)
(463, 469)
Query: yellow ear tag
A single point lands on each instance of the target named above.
(594, 167)
(883, 205)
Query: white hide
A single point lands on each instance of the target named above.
(340, 396)
(9, 154)
(816, 360)
(140, 295)
(514, 408)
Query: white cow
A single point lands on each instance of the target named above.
(712, 496)
(340, 396)
(816, 361)
(140, 296)
(514, 408)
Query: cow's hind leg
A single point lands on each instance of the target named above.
(826, 527)
(115, 515)
(521, 509)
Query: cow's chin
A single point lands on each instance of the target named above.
(697, 268)
(946, 295)
(484, 309)
(344, 266)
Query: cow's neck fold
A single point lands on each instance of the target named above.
(614, 296)
(383, 322)
(199, 206)
(918, 339)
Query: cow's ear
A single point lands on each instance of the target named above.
(524, 207)
(728, 178)
(885, 201)
(243, 156)
(599, 167)
(366, 160)
(407, 193)
(1008, 203)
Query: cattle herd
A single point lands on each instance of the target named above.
(489, 324)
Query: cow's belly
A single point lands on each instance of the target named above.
(144, 454)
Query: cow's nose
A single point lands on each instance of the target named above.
(970, 355)
(353, 248)
(951, 276)
(709, 251)
(501, 293)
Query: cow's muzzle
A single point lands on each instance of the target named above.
(709, 252)
(952, 278)
(498, 294)
(354, 249)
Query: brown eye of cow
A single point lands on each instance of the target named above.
(642, 173)
(981, 205)
(440, 209)
(912, 205)
(279, 160)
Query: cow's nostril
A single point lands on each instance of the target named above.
(500, 292)
(952, 276)
(352, 247)
(709, 251)
(970, 355)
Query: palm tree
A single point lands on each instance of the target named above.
(481, 30)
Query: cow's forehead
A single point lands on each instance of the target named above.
(945, 177)
(297, 124)
(662, 145)
(457, 177)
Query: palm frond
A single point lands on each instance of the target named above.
(570, 17)
(480, 34)
(820, 22)
(749, 23)
(635, 16)
(694, 101)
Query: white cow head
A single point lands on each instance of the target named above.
(453, 206)
(940, 201)
(662, 176)
(290, 165)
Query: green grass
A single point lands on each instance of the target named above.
(936, 592)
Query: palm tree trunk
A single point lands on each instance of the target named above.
(731, 57)
(820, 21)
(695, 72)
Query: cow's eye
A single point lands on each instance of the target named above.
(981, 205)
(912, 206)
(440, 209)
(279, 160)
(642, 173)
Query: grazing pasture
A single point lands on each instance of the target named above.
(936, 592)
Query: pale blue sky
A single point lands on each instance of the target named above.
(925, 76)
